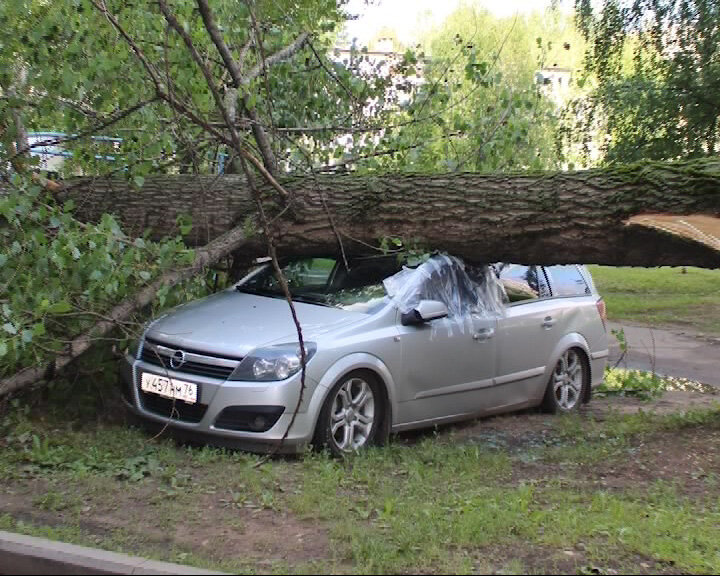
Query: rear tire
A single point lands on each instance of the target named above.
(569, 382)
(352, 415)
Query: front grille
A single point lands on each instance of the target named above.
(152, 356)
(178, 409)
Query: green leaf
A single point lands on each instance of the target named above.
(184, 223)
(9, 328)
(59, 307)
(139, 181)
(3, 348)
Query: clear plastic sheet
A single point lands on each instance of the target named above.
(475, 291)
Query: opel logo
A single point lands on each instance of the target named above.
(177, 359)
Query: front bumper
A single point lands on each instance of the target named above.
(199, 422)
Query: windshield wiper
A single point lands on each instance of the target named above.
(309, 300)
(256, 292)
(296, 297)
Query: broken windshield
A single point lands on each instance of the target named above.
(364, 285)
(328, 282)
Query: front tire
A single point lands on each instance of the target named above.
(352, 415)
(568, 383)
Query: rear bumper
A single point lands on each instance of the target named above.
(215, 396)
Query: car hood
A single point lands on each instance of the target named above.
(233, 323)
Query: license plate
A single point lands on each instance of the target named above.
(169, 387)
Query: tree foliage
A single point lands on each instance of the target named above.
(184, 84)
(81, 74)
(656, 69)
(479, 107)
(58, 275)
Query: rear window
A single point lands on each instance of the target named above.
(567, 281)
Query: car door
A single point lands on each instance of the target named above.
(526, 335)
(446, 365)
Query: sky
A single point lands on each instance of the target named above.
(409, 18)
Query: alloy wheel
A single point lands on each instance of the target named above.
(352, 414)
(568, 380)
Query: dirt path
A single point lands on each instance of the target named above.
(670, 352)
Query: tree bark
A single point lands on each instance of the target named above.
(541, 218)
(22, 143)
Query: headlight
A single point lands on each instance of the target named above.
(272, 363)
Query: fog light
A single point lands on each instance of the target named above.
(249, 418)
(259, 423)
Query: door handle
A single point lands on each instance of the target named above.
(484, 334)
(548, 322)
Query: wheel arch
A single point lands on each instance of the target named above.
(353, 362)
(571, 340)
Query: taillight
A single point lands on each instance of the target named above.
(602, 310)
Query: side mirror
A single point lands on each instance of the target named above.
(425, 311)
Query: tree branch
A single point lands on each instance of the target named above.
(22, 145)
(259, 134)
(243, 52)
(179, 106)
(279, 56)
(149, 68)
(175, 25)
(217, 39)
(234, 142)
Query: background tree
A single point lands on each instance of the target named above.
(479, 106)
(655, 66)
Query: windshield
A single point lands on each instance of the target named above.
(328, 282)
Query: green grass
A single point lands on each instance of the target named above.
(662, 296)
(440, 505)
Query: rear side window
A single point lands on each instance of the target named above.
(567, 281)
(522, 282)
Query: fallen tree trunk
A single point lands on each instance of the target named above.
(549, 218)
(544, 218)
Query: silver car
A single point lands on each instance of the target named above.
(388, 347)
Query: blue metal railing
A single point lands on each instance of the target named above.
(55, 149)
